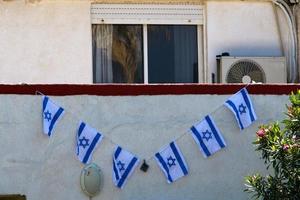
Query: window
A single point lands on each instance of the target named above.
(117, 53)
(146, 43)
(172, 54)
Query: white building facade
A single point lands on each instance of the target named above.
(52, 41)
(72, 42)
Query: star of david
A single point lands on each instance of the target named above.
(206, 135)
(242, 109)
(47, 115)
(171, 161)
(121, 166)
(84, 142)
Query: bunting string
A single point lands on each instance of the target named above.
(206, 134)
(189, 131)
(178, 138)
(37, 92)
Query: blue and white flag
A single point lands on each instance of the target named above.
(172, 163)
(51, 115)
(86, 142)
(241, 106)
(208, 137)
(124, 164)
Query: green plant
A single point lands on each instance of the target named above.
(279, 148)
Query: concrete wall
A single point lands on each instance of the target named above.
(45, 42)
(43, 168)
(242, 29)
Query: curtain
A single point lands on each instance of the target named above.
(102, 53)
(185, 54)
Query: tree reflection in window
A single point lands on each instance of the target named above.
(117, 54)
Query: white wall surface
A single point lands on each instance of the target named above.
(242, 29)
(45, 42)
(43, 168)
(50, 41)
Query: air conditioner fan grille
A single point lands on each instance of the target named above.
(245, 68)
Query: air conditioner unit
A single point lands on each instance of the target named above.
(252, 69)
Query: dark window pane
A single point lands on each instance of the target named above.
(172, 54)
(117, 54)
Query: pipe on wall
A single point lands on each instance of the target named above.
(292, 55)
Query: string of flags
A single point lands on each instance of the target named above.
(205, 133)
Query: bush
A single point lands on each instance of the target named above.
(279, 148)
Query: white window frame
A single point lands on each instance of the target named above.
(156, 14)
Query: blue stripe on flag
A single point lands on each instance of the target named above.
(127, 171)
(115, 170)
(231, 104)
(117, 152)
(178, 157)
(197, 134)
(81, 127)
(91, 148)
(161, 160)
(56, 116)
(246, 99)
(45, 102)
(213, 129)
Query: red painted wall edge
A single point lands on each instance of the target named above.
(142, 89)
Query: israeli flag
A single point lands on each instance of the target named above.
(208, 137)
(86, 142)
(124, 164)
(51, 115)
(172, 163)
(241, 106)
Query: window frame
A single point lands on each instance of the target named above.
(137, 14)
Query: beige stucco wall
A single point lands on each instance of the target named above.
(47, 42)
(43, 168)
(242, 29)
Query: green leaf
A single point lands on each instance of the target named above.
(280, 150)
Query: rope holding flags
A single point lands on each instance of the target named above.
(205, 133)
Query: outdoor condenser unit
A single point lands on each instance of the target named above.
(252, 69)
